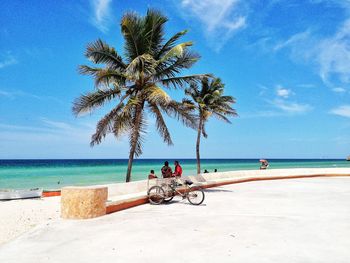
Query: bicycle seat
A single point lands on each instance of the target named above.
(188, 182)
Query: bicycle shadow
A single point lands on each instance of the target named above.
(184, 201)
(216, 190)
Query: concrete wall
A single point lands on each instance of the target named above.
(125, 195)
(141, 186)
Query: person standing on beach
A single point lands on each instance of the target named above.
(166, 170)
(178, 169)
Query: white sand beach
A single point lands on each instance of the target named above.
(19, 216)
(294, 220)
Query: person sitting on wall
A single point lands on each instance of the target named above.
(152, 175)
(166, 170)
(178, 173)
(178, 169)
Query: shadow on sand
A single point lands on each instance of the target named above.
(217, 190)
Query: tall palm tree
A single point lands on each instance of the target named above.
(208, 100)
(135, 83)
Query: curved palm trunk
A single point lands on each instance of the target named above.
(131, 159)
(134, 141)
(197, 145)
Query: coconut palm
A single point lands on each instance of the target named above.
(135, 83)
(208, 100)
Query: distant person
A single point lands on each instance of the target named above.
(206, 171)
(264, 164)
(152, 175)
(178, 169)
(215, 170)
(166, 170)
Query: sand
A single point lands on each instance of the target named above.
(19, 216)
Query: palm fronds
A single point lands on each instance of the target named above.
(100, 52)
(161, 125)
(182, 81)
(170, 43)
(92, 100)
(106, 125)
(135, 82)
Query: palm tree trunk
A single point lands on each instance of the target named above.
(197, 145)
(134, 141)
(131, 159)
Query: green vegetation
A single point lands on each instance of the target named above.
(135, 83)
(208, 100)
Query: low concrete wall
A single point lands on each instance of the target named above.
(270, 173)
(141, 186)
(126, 188)
(126, 195)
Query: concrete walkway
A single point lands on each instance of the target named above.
(299, 220)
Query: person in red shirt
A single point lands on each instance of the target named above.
(178, 169)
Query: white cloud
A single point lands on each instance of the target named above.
(283, 92)
(291, 107)
(263, 89)
(343, 111)
(330, 55)
(57, 124)
(101, 14)
(7, 60)
(334, 55)
(18, 94)
(50, 134)
(293, 39)
(220, 18)
(306, 85)
(15, 94)
(339, 90)
(5, 93)
(279, 99)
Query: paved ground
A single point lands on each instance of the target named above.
(304, 220)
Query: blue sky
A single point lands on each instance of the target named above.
(287, 62)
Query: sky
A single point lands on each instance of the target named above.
(287, 63)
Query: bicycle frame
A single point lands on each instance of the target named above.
(167, 188)
(175, 188)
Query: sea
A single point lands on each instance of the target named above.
(54, 174)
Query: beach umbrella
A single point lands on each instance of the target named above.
(262, 160)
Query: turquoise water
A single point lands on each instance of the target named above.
(54, 174)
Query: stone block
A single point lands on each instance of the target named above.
(83, 202)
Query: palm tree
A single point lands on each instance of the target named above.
(208, 101)
(135, 84)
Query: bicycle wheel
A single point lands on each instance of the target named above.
(169, 193)
(156, 195)
(196, 197)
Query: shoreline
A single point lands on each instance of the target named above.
(55, 174)
(19, 216)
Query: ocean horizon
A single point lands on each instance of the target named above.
(56, 173)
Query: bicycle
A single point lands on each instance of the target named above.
(167, 191)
